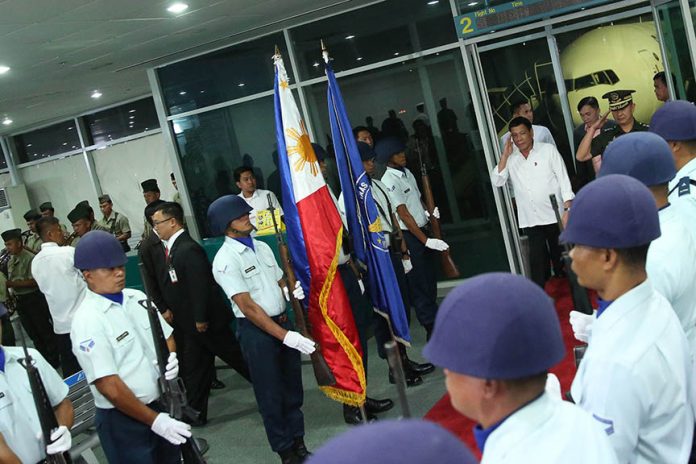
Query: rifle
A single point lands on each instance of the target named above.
(47, 417)
(173, 391)
(322, 372)
(581, 299)
(448, 267)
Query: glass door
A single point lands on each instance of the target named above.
(679, 65)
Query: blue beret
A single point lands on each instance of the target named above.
(675, 121)
(394, 442)
(319, 152)
(225, 210)
(387, 147)
(99, 250)
(641, 155)
(496, 326)
(367, 153)
(614, 211)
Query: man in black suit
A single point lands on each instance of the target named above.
(198, 308)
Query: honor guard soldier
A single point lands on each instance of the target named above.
(676, 123)
(112, 341)
(151, 192)
(247, 271)
(30, 238)
(31, 303)
(497, 335)
(21, 440)
(621, 107)
(114, 222)
(636, 378)
(413, 220)
(82, 220)
(394, 442)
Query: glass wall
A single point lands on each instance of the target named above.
(675, 39)
(49, 141)
(121, 121)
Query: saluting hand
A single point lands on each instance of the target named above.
(507, 149)
(598, 124)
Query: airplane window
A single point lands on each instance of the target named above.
(584, 82)
(607, 77)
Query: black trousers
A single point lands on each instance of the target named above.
(276, 374)
(68, 361)
(360, 305)
(422, 281)
(37, 322)
(543, 245)
(8, 335)
(198, 351)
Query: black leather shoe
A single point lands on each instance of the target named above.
(412, 379)
(375, 406)
(202, 444)
(352, 415)
(289, 457)
(300, 449)
(217, 385)
(420, 368)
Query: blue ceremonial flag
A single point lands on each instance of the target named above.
(362, 217)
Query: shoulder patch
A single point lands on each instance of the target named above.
(87, 345)
(684, 186)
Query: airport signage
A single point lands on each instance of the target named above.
(510, 14)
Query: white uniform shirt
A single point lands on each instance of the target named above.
(551, 431)
(541, 134)
(113, 339)
(685, 204)
(533, 179)
(403, 190)
(259, 201)
(636, 379)
(54, 270)
(670, 266)
(688, 170)
(239, 269)
(19, 421)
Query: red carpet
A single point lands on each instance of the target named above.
(443, 413)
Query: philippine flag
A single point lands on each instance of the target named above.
(315, 232)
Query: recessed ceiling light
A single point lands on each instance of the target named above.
(358, 58)
(7, 121)
(4, 69)
(396, 53)
(177, 7)
(350, 37)
(183, 92)
(96, 94)
(473, 3)
(131, 111)
(241, 84)
(433, 2)
(131, 117)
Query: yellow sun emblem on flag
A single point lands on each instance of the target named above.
(303, 147)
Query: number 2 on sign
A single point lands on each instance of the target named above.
(466, 22)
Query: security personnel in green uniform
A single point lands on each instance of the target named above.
(621, 107)
(82, 220)
(31, 303)
(114, 222)
(30, 238)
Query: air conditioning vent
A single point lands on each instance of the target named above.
(4, 200)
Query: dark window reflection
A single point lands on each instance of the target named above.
(122, 121)
(212, 144)
(372, 34)
(49, 141)
(238, 71)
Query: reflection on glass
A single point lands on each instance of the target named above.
(238, 71)
(375, 33)
(122, 121)
(426, 103)
(675, 40)
(49, 141)
(212, 144)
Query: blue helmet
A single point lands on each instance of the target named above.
(675, 121)
(641, 155)
(387, 147)
(496, 326)
(367, 153)
(225, 210)
(99, 250)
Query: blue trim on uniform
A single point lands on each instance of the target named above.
(247, 241)
(2, 360)
(115, 297)
(481, 434)
(603, 305)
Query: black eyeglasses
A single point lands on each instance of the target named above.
(156, 223)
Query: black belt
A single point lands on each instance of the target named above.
(281, 318)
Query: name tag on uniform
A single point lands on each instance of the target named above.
(172, 275)
(249, 269)
(122, 336)
(407, 190)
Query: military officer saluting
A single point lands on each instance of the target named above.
(636, 377)
(621, 107)
(111, 338)
(30, 238)
(496, 336)
(247, 271)
(20, 432)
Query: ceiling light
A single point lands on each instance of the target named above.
(131, 117)
(396, 53)
(96, 94)
(177, 7)
(473, 3)
(132, 111)
(202, 91)
(358, 58)
(241, 84)
(350, 37)
(65, 143)
(183, 92)
(316, 65)
(7, 121)
(433, 2)
(4, 69)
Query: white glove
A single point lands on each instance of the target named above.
(436, 213)
(298, 292)
(296, 341)
(436, 244)
(408, 266)
(553, 387)
(171, 372)
(62, 441)
(172, 430)
(362, 286)
(582, 325)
